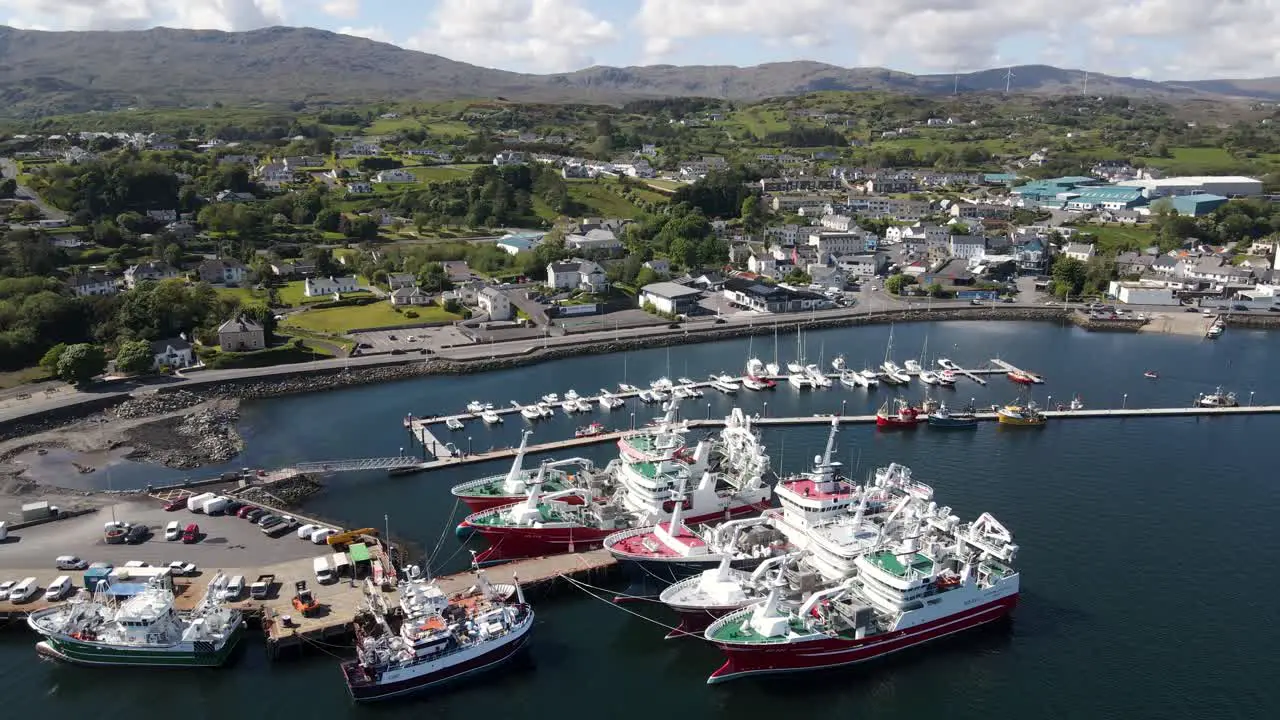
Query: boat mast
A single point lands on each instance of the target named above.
(775, 342)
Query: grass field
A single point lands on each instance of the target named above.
(442, 173)
(600, 199)
(22, 377)
(667, 184)
(1199, 161)
(380, 314)
(447, 127)
(247, 296)
(393, 125)
(1119, 238)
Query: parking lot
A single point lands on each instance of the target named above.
(225, 541)
(381, 341)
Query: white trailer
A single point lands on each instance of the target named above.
(214, 505)
(195, 503)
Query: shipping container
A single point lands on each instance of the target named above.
(93, 576)
(214, 505)
(195, 503)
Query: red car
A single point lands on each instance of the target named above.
(245, 510)
(191, 534)
(174, 505)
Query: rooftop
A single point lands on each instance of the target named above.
(670, 290)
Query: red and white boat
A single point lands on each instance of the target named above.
(595, 428)
(513, 486)
(661, 441)
(903, 416)
(921, 587)
(729, 472)
(1023, 377)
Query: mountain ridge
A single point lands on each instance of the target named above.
(69, 71)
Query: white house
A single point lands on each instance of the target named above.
(842, 243)
(359, 187)
(320, 287)
(399, 280)
(494, 303)
(1078, 251)
(395, 176)
(153, 271)
(576, 275)
(768, 266)
(409, 296)
(596, 240)
(839, 223)
(227, 271)
(669, 297)
(921, 232)
(969, 247)
(510, 157)
(174, 353)
(92, 284)
(273, 175)
(661, 266)
(861, 264)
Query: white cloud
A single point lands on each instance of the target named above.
(526, 35)
(1233, 36)
(137, 14)
(345, 9)
(372, 33)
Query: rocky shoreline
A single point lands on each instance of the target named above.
(205, 437)
(283, 494)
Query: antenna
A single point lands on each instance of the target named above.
(955, 84)
(1086, 82)
(1008, 80)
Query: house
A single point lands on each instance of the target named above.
(457, 270)
(227, 271)
(359, 187)
(598, 240)
(843, 243)
(293, 269)
(969, 210)
(513, 243)
(320, 287)
(229, 196)
(181, 230)
(1079, 251)
(163, 216)
(494, 303)
(303, 161)
(1132, 263)
(950, 273)
(762, 297)
(670, 298)
(1106, 198)
(510, 157)
(862, 264)
(401, 280)
(769, 266)
(92, 283)
(153, 271)
(410, 295)
(968, 247)
(576, 275)
(395, 176)
(241, 334)
(173, 353)
(273, 175)
(660, 266)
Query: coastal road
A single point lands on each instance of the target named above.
(10, 170)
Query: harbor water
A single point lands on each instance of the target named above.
(1147, 557)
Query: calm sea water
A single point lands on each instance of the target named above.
(1148, 545)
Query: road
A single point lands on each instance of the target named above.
(10, 170)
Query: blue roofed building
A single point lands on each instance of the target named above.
(1197, 204)
(1053, 192)
(999, 179)
(514, 243)
(1106, 197)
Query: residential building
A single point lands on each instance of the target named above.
(598, 240)
(770, 266)
(494, 303)
(154, 271)
(230, 196)
(92, 283)
(862, 264)
(395, 176)
(398, 280)
(173, 353)
(304, 161)
(510, 157)
(181, 230)
(358, 187)
(273, 175)
(970, 248)
(660, 266)
(785, 234)
(319, 287)
(1132, 263)
(1217, 272)
(1079, 251)
(577, 275)
(241, 335)
(921, 233)
(843, 243)
(763, 297)
(409, 295)
(949, 274)
(839, 223)
(978, 211)
(885, 184)
(794, 203)
(222, 271)
(1140, 293)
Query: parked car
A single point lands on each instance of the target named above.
(244, 511)
(182, 569)
(287, 524)
(232, 507)
(321, 536)
(269, 521)
(69, 562)
(172, 531)
(1241, 308)
(233, 589)
(137, 534)
(5, 588)
(191, 534)
(255, 515)
(305, 531)
(138, 563)
(175, 505)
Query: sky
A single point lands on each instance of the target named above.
(1156, 39)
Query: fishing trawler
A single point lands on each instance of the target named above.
(922, 586)
(726, 473)
(1217, 399)
(1021, 415)
(944, 418)
(659, 442)
(441, 639)
(145, 629)
(716, 592)
(513, 486)
(902, 416)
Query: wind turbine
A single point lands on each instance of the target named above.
(1086, 83)
(1008, 80)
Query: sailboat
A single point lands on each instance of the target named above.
(774, 368)
(893, 375)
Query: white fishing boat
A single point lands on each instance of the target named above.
(454, 424)
(490, 417)
(571, 395)
(947, 378)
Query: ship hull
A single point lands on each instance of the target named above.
(513, 542)
(953, 423)
(482, 662)
(481, 502)
(743, 660)
(1019, 422)
(885, 423)
(186, 654)
(649, 576)
(695, 620)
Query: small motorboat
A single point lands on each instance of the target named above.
(623, 387)
(595, 428)
(453, 424)
(944, 418)
(490, 417)
(1151, 375)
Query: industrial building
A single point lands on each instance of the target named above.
(1052, 192)
(1139, 293)
(1107, 197)
(669, 297)
(1225, 185)
(1197, 204)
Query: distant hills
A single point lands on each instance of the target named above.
(43, 72)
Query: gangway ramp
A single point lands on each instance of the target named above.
(357, 465)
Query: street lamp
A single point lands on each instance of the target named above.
(1251, 398)
(633, 421)
(1124, 402)
(708, 411)
(766, 408)
(468, 445)
(843, 403)
(1048, 402)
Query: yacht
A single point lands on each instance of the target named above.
(551, 398)
(623, 387)
(490, 417)
(684, 381)
(545, 410)
(724, 384)
(849, 378)
(583, 405)
(454, 424)
(528, 412)
(571, 395)
(609, 401)
(912, 366)
(871, 376)
(928, 377)
(816, 376)
(800, 381)
(569, 407)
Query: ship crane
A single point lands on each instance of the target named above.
(987, 534)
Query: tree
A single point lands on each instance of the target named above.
(895, 283)
(81, 363)
(646, 276)
(8, 188)
(51, 356)
(27, 212)
(433, 278)
(328, 220)
(365, 228)
(134, 356)
(752, 214)
(1068, 276)
(935, 290)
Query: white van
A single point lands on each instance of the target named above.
(195, 503)
(234, 588)
(321, 536)
(24, 590)
(69, 562)
(323, 572)
(57, 588)
(173, 531)
(341, 565)
(214, 505)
